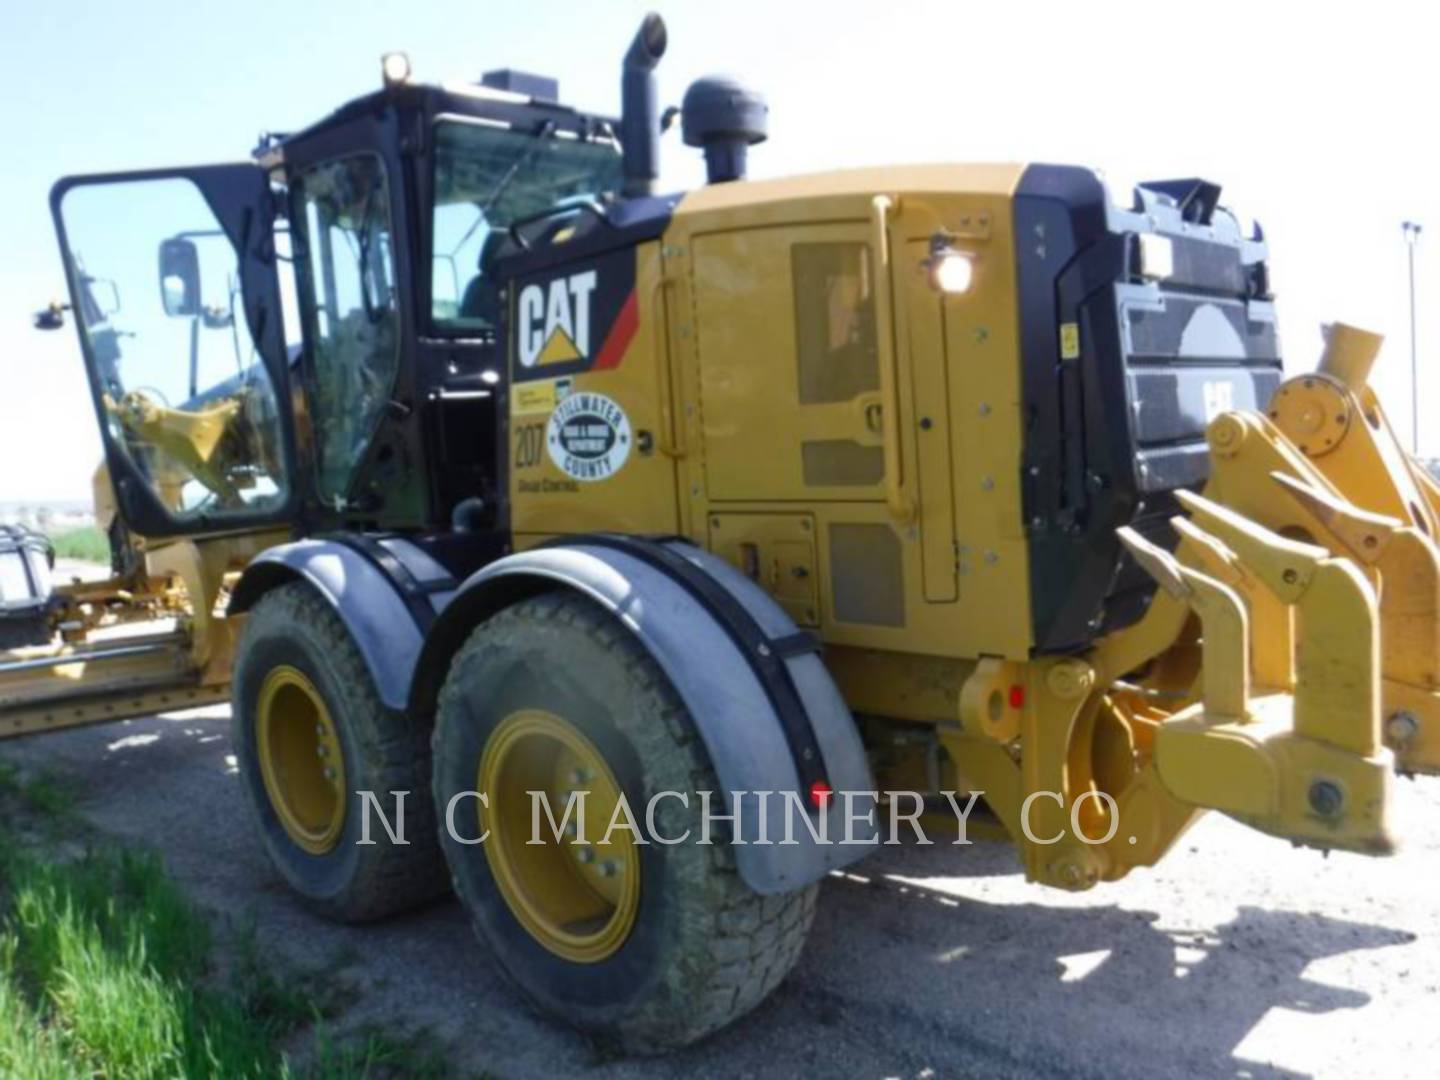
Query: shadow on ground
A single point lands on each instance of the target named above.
(1033, 987)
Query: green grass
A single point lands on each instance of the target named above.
(107, 970)
(45, 795)
(108, 960)
(377, 1054)
(87, 543)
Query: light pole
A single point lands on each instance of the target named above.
(1411, 229)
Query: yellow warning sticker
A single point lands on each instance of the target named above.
(1069, 341)
(532, 397)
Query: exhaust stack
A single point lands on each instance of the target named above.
(639, 112)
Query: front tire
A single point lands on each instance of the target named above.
(555, 694)
(310, 733)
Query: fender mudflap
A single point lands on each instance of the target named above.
(752, 681)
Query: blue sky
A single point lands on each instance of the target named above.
(1313, 118)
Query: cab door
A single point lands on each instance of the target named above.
(173, 284)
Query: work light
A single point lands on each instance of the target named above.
(1157, 256)
(951, 271)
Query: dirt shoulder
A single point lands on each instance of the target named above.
(1239, 956)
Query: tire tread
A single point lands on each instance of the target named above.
(749, 942)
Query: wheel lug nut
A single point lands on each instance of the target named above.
(587, 854)
(609, 868)
(329, 774)
(320, 730)
(321, 751)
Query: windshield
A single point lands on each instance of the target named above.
(486, 178)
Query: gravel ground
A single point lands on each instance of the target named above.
(1239, 957)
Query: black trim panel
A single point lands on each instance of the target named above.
(1122, 371)
(415, 593)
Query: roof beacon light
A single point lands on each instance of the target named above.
(395, 69)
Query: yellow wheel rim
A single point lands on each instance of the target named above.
(577, 897)
(300, 760)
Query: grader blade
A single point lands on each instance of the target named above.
(1286, 735)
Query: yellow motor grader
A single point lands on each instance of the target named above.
(948, 478)
(140, 639)
(149, 636)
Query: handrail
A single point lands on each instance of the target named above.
(672, 443)
(902, 506)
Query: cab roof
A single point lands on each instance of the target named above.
(495, 104)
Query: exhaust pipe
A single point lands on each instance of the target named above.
(639, 111)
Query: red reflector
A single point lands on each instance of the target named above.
(1017, 696)
(820, 793)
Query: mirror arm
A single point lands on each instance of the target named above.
(194, 357)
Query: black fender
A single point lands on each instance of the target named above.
(767, 709)
(386, 590)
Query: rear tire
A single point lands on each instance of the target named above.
(310, 732)
(701, 948)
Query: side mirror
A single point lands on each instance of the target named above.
(52, 316)
(179, 277)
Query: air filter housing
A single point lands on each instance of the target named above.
(724, 119)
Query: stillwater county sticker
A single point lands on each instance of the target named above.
(588, 436)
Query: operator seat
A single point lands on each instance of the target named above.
(481, 301)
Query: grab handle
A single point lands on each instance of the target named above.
(901, 505)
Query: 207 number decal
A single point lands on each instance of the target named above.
(529, 445)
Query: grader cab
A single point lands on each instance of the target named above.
(935, 479)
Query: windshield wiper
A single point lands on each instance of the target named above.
(546, 130)
(482, 209)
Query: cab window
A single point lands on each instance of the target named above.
(346, 277)
(486, 179)
(182, 388)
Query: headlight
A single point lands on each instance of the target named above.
(1157, 256)
(951, 271)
